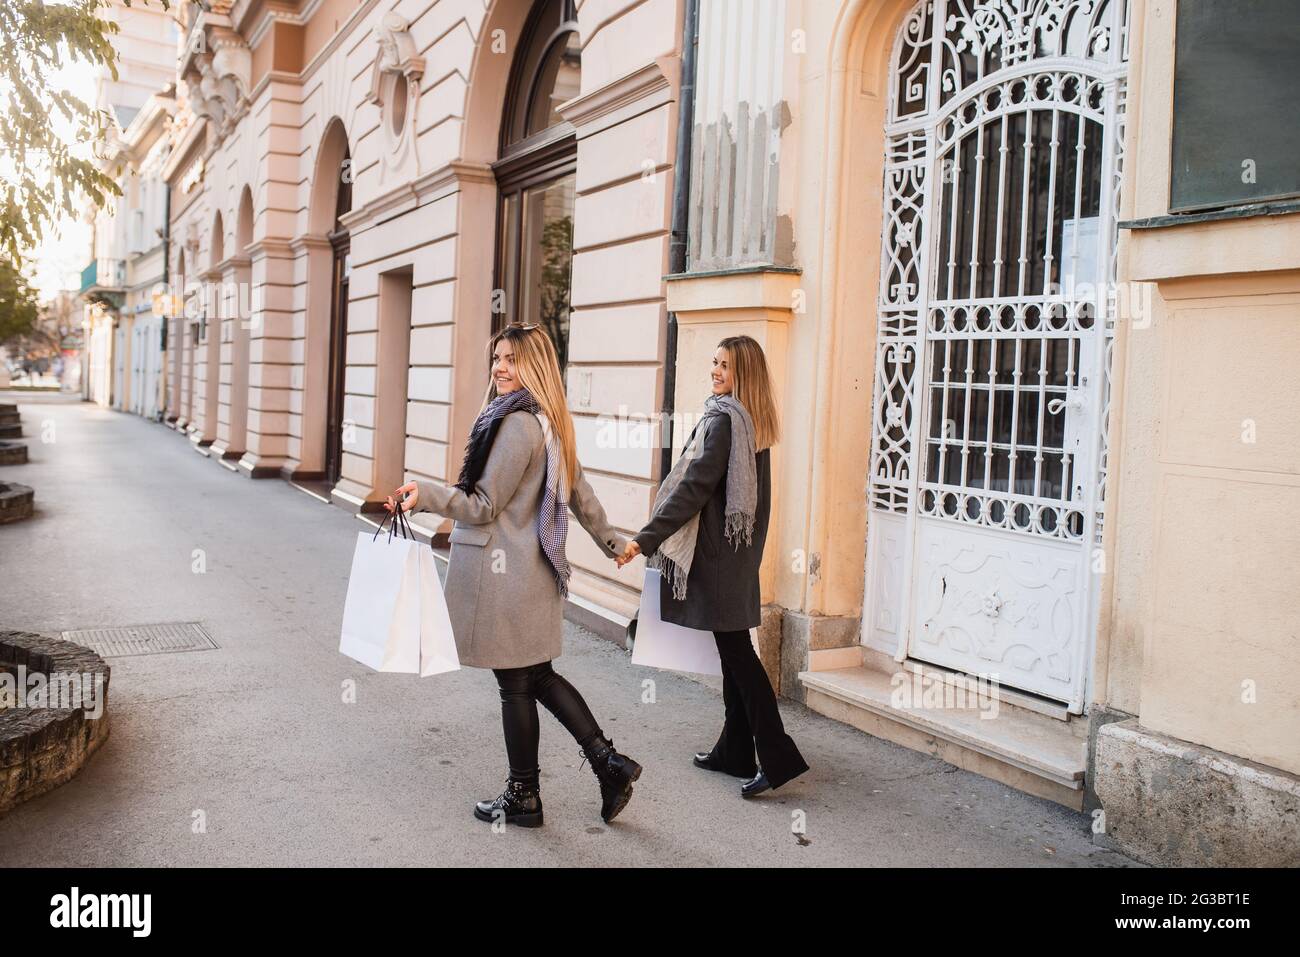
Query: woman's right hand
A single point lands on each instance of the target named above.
(412, 493)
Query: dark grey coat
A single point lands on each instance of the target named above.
(722, 592)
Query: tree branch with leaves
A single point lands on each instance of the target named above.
(44, 177)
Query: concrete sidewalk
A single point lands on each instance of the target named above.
(255, 740)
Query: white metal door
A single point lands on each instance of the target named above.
(988, 466)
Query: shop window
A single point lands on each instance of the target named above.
(536, 177)
(1236, 81)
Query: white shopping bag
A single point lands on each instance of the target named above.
(661, 644)
(395, 616)
(437, 642)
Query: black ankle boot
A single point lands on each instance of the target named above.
(520, 804)
(615, 772)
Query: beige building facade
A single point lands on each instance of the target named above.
(1014, 388)
(122, 330)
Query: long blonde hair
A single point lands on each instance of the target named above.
(753, 388)
(537, 366)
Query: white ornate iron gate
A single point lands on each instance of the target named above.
(1004, 145)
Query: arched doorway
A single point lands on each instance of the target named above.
(536, 176)
(1003, 143)
(340, 274)
(317, 462)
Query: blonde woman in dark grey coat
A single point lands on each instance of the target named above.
(508, 575)
(706, 536)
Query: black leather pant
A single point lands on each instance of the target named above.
(752, 718)
(521, 689)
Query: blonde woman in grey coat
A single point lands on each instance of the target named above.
(508, 575)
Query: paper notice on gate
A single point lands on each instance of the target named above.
(661, 644)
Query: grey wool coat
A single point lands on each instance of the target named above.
(722, 590)
(502, 597)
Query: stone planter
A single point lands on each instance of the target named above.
(11, 424)
(15, 502)
(46, 736)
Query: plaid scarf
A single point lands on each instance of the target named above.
(553, 516)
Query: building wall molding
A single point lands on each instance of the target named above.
(643, 89)
(407, 197)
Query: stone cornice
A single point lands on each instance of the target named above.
(427, 188)
(233, 262)
(253, 19)
(399, 200)
(262, 248)
(177, 159)
(659, 77)
(207, 19)
(151, 119)
(732, 293)
(273, 76)
(308, 241)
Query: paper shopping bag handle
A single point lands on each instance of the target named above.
(399, 523)
(404, 523)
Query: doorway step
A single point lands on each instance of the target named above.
(1027, 743)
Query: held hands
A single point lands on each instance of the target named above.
(412, 492)
(629, 553)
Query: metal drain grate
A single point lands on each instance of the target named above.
(162, 639)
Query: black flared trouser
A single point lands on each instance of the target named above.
(521, 689)
(752, 720)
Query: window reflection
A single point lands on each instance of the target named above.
(557, 82)
(546, 258)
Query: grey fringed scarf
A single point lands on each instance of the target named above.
(674, 556)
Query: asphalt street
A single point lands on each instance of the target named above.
(249, 754)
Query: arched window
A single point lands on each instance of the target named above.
(536, 176)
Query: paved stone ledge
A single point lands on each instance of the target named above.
(42, 747)
(11, 424)
(13, 453)
(15, 502)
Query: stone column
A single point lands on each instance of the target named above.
(207, 361)
(272, 353)
(234, 321)
(312, 265)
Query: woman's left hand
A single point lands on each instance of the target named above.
(412, 493)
